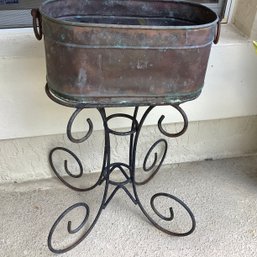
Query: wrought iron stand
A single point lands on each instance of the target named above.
(126, 169)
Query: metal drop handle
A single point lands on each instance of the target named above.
(37, 23)
(217, 37)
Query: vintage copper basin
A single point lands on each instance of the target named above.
(126, 52)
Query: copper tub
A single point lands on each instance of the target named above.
(126, 52)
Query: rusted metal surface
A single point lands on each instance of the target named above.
(127, 52)
(37, 23)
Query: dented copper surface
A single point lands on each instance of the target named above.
(127, 52)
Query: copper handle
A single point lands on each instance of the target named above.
(37, 23)
(217, 37)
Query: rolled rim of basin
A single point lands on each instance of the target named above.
(212, 16)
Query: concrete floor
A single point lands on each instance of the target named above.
(222, 195)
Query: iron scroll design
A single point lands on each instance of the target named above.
(69, 127)
(127, 170)
(156, 169)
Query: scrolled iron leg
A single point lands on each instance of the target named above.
(126, 170)
(102, 178)
(68, 172)
(78, 228)
(155, 168)
(171, 215)
(74, 156)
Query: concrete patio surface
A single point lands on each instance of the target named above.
(222, 194)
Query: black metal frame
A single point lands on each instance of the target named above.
(128, 170)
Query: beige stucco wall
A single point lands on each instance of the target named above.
(27, 158)
(245, 17)
(254, 29)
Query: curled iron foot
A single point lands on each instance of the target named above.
(171, 215)
(71, 230)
